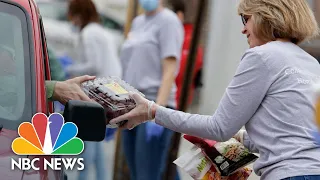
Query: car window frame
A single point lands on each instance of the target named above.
(46, 61)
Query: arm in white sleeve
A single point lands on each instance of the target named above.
(239, 103)
(91, 64)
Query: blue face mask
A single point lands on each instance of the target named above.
(149, 5)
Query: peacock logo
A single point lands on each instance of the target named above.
(47, 136)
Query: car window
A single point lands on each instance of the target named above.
(15, 80)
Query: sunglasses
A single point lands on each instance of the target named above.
(244, 19)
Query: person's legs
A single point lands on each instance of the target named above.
(146, 155)
(166, 144)
(166, 140)
(99, 162)
(88, 157)
(128, 139)
(151, 156)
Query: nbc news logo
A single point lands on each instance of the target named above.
(47, 137)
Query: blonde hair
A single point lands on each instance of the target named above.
(288, 19)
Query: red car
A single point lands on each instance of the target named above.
(24, 67)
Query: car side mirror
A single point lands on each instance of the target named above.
(89, 117)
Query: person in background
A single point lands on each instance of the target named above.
(271, 94)
(178, 6)
(150, 59)
(95, 56)
(95, 53)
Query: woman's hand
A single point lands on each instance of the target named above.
(71, 89)
(239, 135)
(143, 112)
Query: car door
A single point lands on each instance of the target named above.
(17, 95)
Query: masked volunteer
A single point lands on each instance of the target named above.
(150, 60)
(97, 57)
(96, 53)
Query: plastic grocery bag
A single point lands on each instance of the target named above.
(199, 167)
(228, 157)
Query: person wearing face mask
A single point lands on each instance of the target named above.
(96, 50)
(271, 94)
(96, 56)
(150, 59)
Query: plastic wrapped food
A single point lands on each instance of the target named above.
(113, 94)
(198, 166)
(227, 157)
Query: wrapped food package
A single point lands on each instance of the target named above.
(227, 157)
(113, 94)
(199, 167)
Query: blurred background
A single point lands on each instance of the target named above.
(217, 31)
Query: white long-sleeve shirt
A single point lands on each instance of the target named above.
(271, 95)
(97, 54)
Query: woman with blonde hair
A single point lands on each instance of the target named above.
(270, 94)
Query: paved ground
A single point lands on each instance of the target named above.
(110, 149)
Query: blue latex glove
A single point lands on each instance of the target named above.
(317, 137)
(110, 133)
(58, 107)
(65, 62)
(153, 130)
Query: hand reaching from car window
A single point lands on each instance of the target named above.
(71, 89)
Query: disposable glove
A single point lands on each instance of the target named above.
(66, 61)
(140, 114)
(239, 135)
(153, 130)
(317, 137)
(110, 132)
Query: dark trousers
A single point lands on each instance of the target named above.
(316, 177)
(146, 159)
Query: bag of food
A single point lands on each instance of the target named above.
(227, 157)
(113, 94)
(199, 167)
